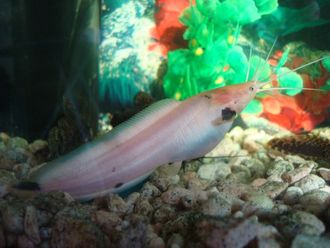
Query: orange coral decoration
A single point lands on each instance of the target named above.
(302, 112)
(168, 31)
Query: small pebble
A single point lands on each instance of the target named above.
(277, 168)
(273, 189)
(45, 233)
(131, 201)
(297, 174)
(326, 188)
(108, 221)
(251, 145)
(254, 142)
(13, 217)
(226, 147)
(31, 227)
(21, 170)
(37, 145)
(188, 200)
(156, 242)
(256, 167)
(6, 163)
(216, 206)
(149, 191)
(17, 142)
(238, 214)
(299, 222)
(193, 182)
(257, 202)
(324, 173)
(242, 170)
(256, 183)
(143, 207)
(236, 134)
(235, 189)
(164, 213)
(174, 195)
(280, 209)
(4, 137)
(315, 201)
(242, 234)
(212, 171)
(3, 147)
(7, 177)
(19, 155)
(297, 160)
(308, 241)
(292, 195)
(310, 182)
(116, 204)
(268, 237)
(175, 241)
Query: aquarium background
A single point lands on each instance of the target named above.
(195, 51)
(74, 73)
(134, 47)
(48, 55)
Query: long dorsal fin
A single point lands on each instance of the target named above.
(115, 137)
(141, 121)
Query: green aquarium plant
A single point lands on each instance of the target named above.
(326, 65)
(214, 57)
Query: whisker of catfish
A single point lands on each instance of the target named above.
(290, 88)
(267, 58)
(298, 68)
(237, 32)
(255, 75)
(302, 66)
(231, 156)
(249, 65)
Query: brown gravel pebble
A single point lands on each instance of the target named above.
(296, 174)
(273, 189)
(258, 182)
(31, 227)
(324, 173)
(310, 182)
(233, 202)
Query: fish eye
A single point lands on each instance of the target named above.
(251, 88)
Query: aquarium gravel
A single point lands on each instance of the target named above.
(238, 195)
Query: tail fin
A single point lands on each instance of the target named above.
(22, 188)
(26, 185)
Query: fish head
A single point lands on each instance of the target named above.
(229, 101)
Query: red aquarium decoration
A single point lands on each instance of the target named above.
(168, 32)
(304, 111)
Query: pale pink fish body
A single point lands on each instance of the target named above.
(167, 131)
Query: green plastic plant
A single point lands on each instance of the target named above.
(214, 59)
(326, 65)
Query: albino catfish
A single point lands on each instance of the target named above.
(167, 131)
